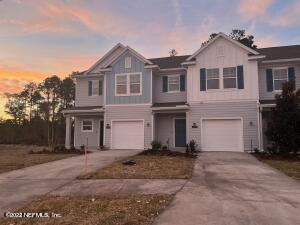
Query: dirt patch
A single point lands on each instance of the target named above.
(148, 166)
(14, 157)
(92, 210)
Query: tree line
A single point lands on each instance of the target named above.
(35, 112)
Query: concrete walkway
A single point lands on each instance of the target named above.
(234, 189)
(19, 187)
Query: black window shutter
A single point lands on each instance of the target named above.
(240, 77)
(90, 88)
(202, 79)
(291, 76)
(182, 82)
(100, 87)
(165, 83)
(269, 79)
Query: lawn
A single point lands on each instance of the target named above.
(92, 210)
(14, 157)
(290, 168)
(149, 165)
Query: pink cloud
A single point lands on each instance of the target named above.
(290, 17)
(250, 9)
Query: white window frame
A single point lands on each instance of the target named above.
(97, 85)
(82, 130)
(213, 89)
(128, 84)
(236, 79)
(287, 77)
(127, 62)
(175, 91)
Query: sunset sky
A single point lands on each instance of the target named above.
(39, 38)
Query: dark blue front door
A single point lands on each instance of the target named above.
(180, 133)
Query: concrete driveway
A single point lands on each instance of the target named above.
(19, 187)
(234, 189)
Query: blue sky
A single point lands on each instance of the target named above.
(41, 38)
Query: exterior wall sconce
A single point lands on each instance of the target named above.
(194, 125)
(148, 124)
(107, 126)
(250, 123)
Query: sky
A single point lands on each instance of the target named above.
(39, 38)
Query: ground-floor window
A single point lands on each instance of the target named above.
(87, 126)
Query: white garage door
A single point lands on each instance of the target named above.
(222, 135)
(127, 135)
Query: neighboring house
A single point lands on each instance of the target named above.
(219, 96)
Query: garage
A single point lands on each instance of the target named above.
(128, 134)
(222, 135)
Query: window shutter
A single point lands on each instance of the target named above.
(90, 87)
(202, 79)
(165, 83)
(100, 87)
(182, 82)
(240, 77)
(269, 76)
(291, 75)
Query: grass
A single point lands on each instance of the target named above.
(92, 210)
(290, 168)
(149, 165)
(14, 157)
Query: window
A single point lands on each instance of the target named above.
(213, 79)
(280, 76)
(229, 77)
(87, 126)
(95, 87)
(128, 84)
(121, 84)
(127, 62)
(173, 83)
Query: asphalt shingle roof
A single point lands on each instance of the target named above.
(281, 52)
(169, 62)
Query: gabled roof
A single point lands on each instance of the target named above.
(281, 52)
(250, 50)
(169, 62)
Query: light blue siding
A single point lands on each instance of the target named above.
(119, 67)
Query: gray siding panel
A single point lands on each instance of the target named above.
(81, 137)
(164, 128)
(119, 67)
(263, 93)
(137, 112)
(159, 96)
(81, 93)
(247, 110)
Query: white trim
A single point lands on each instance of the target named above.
(281, 60)
(128, 104)
(75, 130)
(151, 66)
(223, 118)
(152, 127)
(175, 91)
(259, 127)
(227, 38)
(221, 101)
(125, 120)
(287, 77)
(151, 87)
(104, 129)
(188, 63)
(128, 84)
(267, 105)
(104, 90)
(82, 111)
(94, 75)
(253, 57)
(173, 69)
(177, 107)
(174, 119)
(87, 131)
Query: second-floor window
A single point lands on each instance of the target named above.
(95, 87)
(174, 83)
(280, 76)
(128, 84)
(229, 77)
(213, 79)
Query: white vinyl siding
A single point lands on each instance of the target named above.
(173, 83)
(229, 77)
(87, 126)
(128, 84)
(213, 79)
(280, 76)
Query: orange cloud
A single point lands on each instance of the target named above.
(250, 9)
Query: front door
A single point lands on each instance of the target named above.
(101, 133)
(180, 133)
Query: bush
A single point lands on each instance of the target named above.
(156, 145)
(164, 147)
(193, 145)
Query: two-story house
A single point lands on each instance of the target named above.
(219, 96)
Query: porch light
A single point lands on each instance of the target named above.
(250, 123)
(194, 125)
(107, 126)
(148, 124)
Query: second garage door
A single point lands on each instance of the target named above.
(222, 135)
(127, 135)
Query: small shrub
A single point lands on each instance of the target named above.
(59, 148)
(192, 145)
(82, 147)
(156, 145)
(164, 147)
